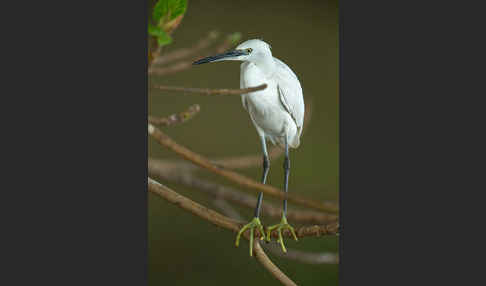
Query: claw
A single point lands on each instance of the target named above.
(281, 226)
(255, 223)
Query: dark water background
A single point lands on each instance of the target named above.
(184, 249)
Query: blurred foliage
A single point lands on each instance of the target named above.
(166, 16)
(234, 37)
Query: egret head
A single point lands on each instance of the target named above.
(251, 50)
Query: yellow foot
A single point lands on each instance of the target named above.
(255, 223)
(281, 226)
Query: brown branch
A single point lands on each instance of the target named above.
(218, 220)
(226, 222)
(167, 166)
(268, 264)
(303, 256)
(175, 118)
(232, 195)
(180, 66)
(207, 91)
(247, 161)
(250, 184)
(154, 51)
(292, 254)
(232, 162)
(185, 52)
(193, 207)
(183, 65)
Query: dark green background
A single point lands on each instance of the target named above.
(184, 249)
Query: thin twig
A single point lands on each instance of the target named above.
(216, 219)
(250, 184)
(154, 51)
(175, 118)
(233, 162)
(303, 256)
(180, 66)
(238, 162)
(193, 207)
(207, 91)
(226, 222)
(183, 65)
(232, 195)
(268, 264)
(292, 254)
(242, 162)
(185, 52)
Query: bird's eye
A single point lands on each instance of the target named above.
(249, 50)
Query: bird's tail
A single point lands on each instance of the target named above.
(295, 141)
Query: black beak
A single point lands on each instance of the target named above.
(230, 54)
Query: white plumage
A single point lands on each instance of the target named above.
(278, 110)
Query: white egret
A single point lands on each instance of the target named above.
(277, 113)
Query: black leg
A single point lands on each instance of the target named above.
(255, 222)
(266, 168)
(286, 176)
(283, 222)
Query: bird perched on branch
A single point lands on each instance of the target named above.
(277, 113)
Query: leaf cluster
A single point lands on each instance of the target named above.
(165, 17)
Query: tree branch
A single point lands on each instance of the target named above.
(226, 222)
(303, 256)
(183, 65)
(292, 254)
(199, 160)
(233, 162)
(175, 118)
(232, 195)
(180, 66)
(207, 91)
(185, 52)
(218, 220)
(268, 264)
(247, 161)
(193, 207)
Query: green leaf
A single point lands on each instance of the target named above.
(176, 8)
(164, 40)
(160, 10)
(161, 36)
(166, 10)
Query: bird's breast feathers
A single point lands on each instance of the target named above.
(280, 104)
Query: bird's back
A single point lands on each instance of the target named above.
(291, 91)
